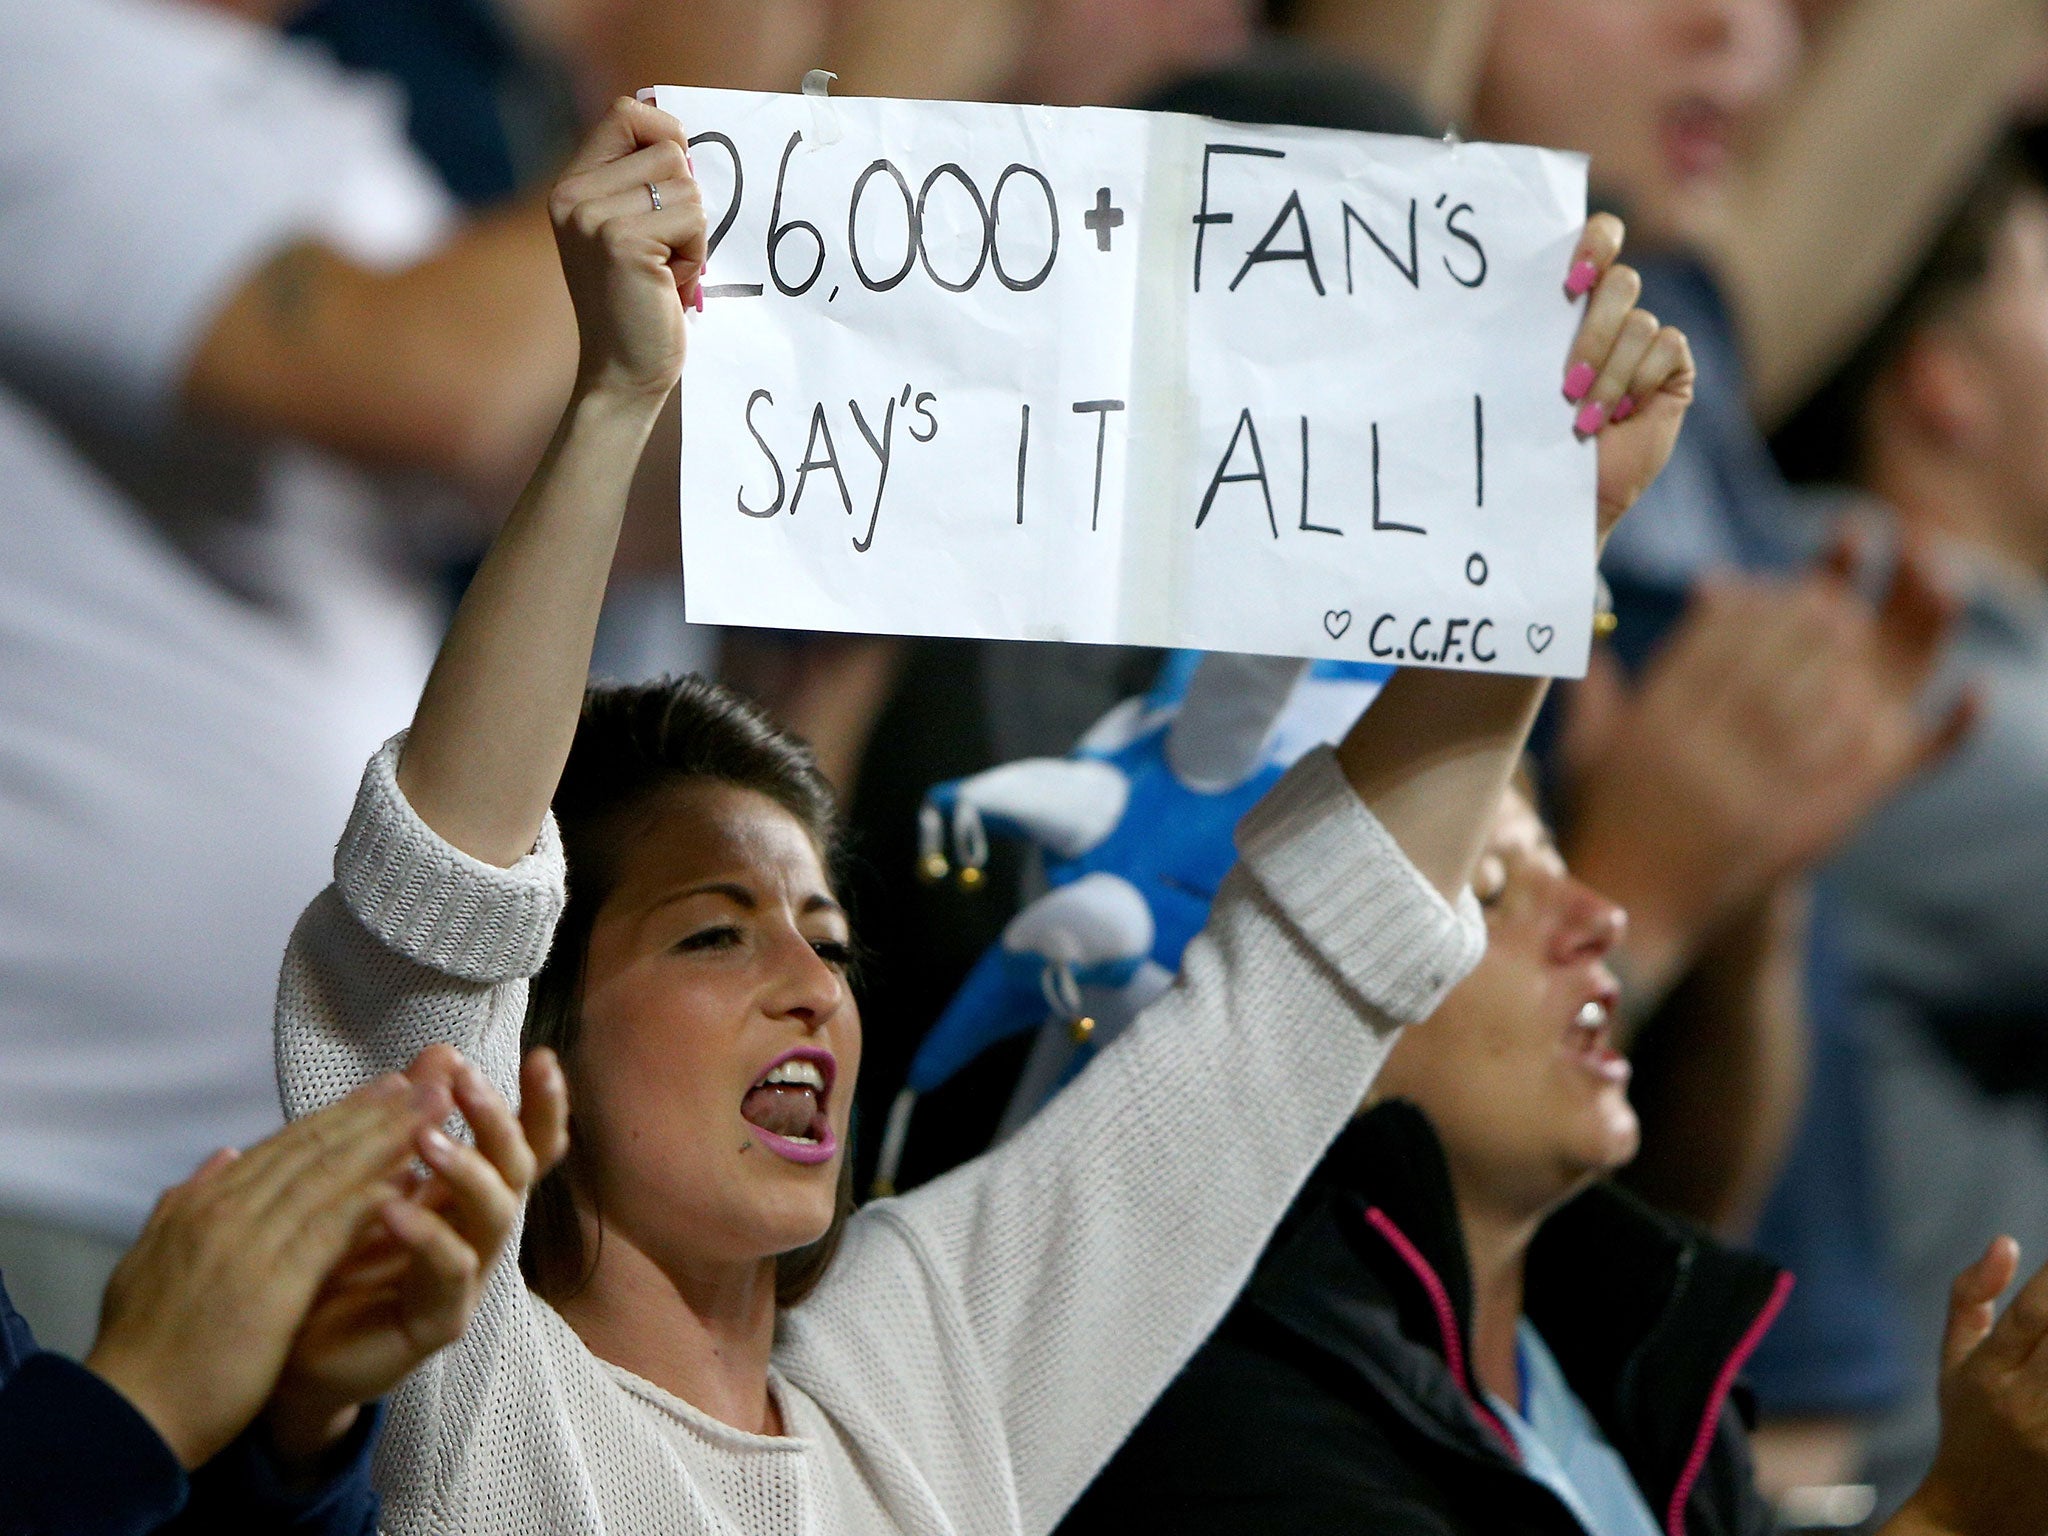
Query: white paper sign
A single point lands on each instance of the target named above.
(1082, 374)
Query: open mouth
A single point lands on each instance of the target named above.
(1590, 1041)
(1698, 136)
(786, 1106)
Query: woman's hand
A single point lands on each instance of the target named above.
(409, 1287)
(1630, 378)
(1990, 1474)
(1433, 754)
(200, 1314)
(630, 265)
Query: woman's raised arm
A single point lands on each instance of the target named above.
(1433, 755)
(1893, 116)
(1088, 1256)
(495, 722)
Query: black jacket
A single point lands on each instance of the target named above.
(1335, 1396)
(77, 1459)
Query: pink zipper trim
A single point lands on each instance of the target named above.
(1446, 1322)
(1703, 1442)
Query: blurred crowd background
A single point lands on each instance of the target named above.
(282, 330)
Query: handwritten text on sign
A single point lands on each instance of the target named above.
(1041, 373)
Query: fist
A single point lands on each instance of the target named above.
(630, 228)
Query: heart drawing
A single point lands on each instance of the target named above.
(1540, 636)
(1336, 622)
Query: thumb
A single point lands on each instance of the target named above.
(1593, 710)
(1973, 1301)
(544, 1108)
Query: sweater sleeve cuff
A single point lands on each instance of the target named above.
(433, 903)
(1348, 887)
(76, 1456)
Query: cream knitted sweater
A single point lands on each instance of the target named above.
(980, 1346)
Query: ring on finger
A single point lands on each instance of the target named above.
(654, 196)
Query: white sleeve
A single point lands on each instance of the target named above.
(1082, 1263)
(152, 154)
(414, 944)
(417, 943)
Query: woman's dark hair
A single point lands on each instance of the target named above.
(1826, 440)
(633, 744)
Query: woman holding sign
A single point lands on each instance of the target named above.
(975, 1351)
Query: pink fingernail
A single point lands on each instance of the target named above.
(1591, 419)
(1624, 408)
(1583, 277)
(1578, 383)
(700, 295)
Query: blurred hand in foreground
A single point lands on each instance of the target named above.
(200, 1314)
(312, 1272)
(411, 1283)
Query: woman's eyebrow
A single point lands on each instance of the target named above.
(741, 897)
(731, 890)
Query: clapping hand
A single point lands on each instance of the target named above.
(201, 1313)
(412, 1281)
(1776, 718)
(1990, 1475)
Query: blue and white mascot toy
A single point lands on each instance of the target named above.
(1134, 830)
